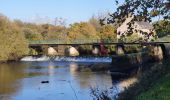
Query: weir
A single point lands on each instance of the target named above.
(98, 47)
(97, 52)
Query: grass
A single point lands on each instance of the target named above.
(160, 91)
(153, 83)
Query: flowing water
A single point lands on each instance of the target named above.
(23, 80)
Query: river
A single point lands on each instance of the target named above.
(24, 81)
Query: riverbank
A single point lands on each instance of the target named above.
(152, 84)
(160, 91)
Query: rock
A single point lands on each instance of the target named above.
(158, 53)
(95, 51)
(73, 52)
(43, 82)
(52, 51)
(120, 51)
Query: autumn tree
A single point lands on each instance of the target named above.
(95, 21)
(108, 32)
(57, 32)
(13, 45)
(31, 34)
(82, 30)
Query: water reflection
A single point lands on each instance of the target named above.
(9, 76)
(74, 69)
(51, 68)
(86, 78)
(19, 81)
(127, 82)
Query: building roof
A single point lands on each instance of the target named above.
(139, 25)
(144, 25)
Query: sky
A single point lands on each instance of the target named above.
(70, 10)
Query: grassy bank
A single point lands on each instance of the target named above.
(159, 91)
(153, 84)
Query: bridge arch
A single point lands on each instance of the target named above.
(120, 49)
(164, 50)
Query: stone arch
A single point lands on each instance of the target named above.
(51, 51)
(95, 49)
(120, 49)
(71, 51)
(38, 50)
(164, 50)
(157, 52)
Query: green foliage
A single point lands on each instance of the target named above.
(160, 91)
(95, 22)
(85, 49)
(162, 28)
(82, 30)
(12, 43)
(142, 10)
(31, 34)
(132, 49)
(14, 35)
(133, 38)
(149, 80)
(57, 32)
(154, 13)
(99, 95)
(108, 32)
(33, 52)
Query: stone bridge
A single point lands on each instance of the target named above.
(98, 47)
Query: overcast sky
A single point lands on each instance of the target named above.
(71, 10)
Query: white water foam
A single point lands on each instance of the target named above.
(68, 59)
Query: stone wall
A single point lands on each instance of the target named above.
(167, 49)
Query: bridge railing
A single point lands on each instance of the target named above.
(47, 42)
(77, 41)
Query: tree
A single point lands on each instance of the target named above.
(162, 28)
(13, 45)
(57, 32)
(45, 29)
(59, 22)
(95, 22)
(82, 30)
(142, 9)
(31, 34)
(145, 9)
(19, 23)
(108, 32)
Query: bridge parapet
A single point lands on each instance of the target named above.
(160, 48)
(77, 41)
(47, 42)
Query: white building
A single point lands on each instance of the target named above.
(141, 30)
